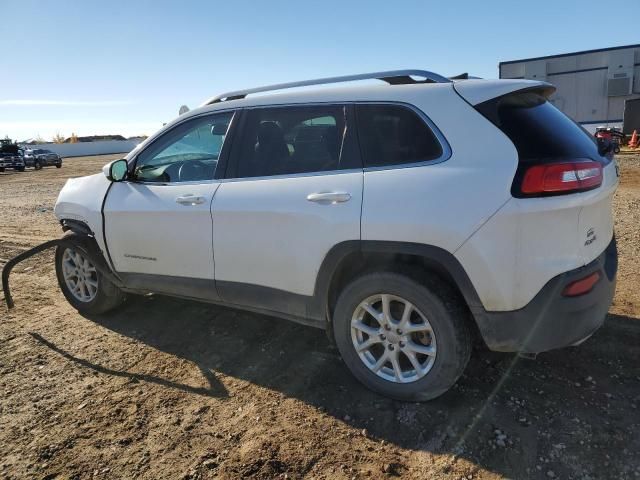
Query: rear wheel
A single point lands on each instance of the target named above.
(400, 338)
(83, 286)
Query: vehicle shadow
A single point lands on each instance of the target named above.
(215, 389)
(527, 401)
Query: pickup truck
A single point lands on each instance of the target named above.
(11, 156)
(38, 158)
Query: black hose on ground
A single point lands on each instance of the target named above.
(94, 257)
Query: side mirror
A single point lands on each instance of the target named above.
(219, 128)
(117, 170)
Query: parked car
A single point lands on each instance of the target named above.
(39, 157)
(14, 162)
(11, 156)
(404, 219)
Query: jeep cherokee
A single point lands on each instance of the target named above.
(404, 218)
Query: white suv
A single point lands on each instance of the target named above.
(404, 218)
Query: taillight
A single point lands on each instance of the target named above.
(559, 178)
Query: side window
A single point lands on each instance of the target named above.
(186, 153)
(289, 140)
(394, 135)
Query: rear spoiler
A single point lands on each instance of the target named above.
(479, 91)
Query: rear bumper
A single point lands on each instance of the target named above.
(550, 320)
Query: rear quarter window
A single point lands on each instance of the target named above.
(394, 135)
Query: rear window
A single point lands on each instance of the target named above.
(394, 135)
(538, 129)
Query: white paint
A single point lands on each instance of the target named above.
(81, 199)
(531, 240)
(266, 232)
(149, 232)
(442, 204)
(478, 91)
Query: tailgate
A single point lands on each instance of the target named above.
(595, 221)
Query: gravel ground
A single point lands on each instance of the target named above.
(166, 388)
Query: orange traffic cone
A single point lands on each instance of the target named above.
(633, 143)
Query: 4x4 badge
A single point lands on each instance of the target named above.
(591, 237)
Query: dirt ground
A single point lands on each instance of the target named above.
(166, 388)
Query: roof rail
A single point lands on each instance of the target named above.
(392, 77)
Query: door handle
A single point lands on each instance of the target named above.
(190, 200)
(329, 197)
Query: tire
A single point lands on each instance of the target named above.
(37, 165)
(103, 297)
(20, 169)
(1, 169)
(58, 165)
(434, 304)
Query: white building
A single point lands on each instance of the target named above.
(592, 86)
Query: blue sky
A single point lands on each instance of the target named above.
(96, 67)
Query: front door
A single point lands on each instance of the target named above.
(158, 223)
(292, 192)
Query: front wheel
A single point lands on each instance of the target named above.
(37, 165)
(400, 338)
(82, 285)
(58, 165)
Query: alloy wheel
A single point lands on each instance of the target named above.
(80, 276)
(393, 338)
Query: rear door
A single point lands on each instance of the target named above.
(292, 192)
